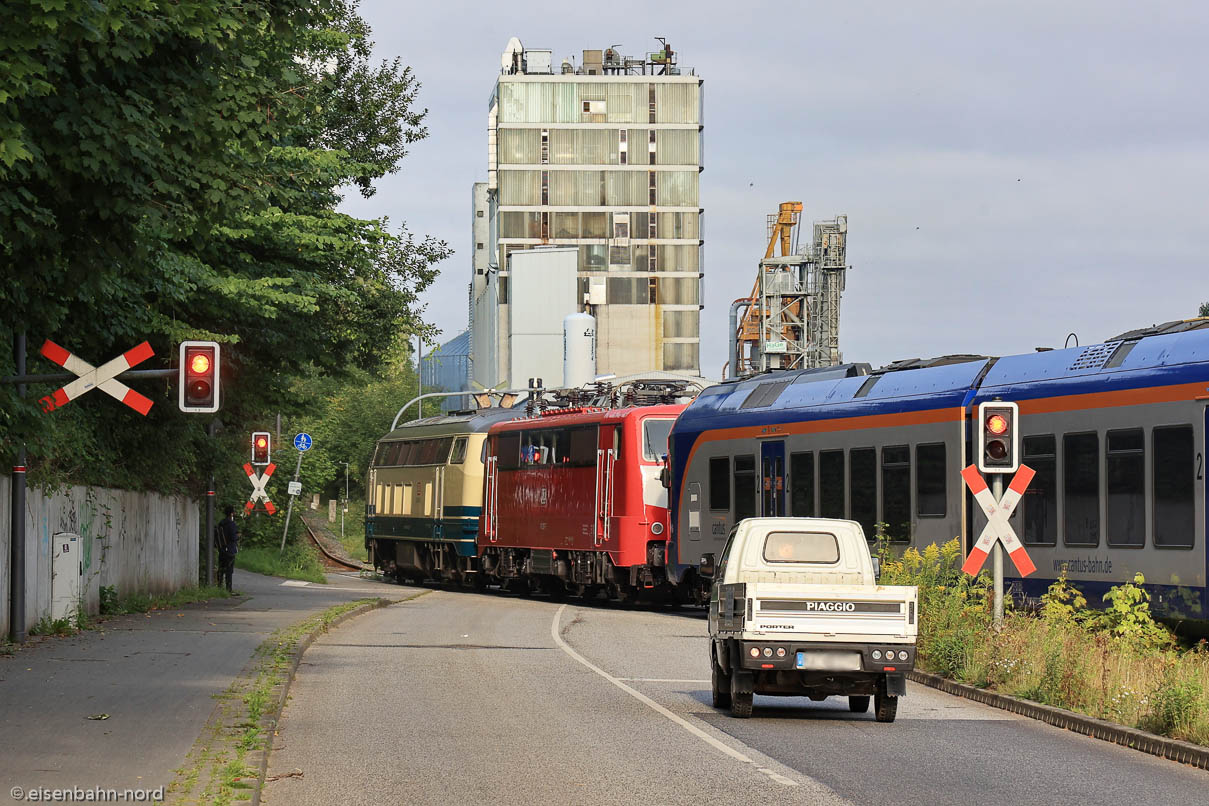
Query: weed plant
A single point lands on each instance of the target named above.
(1116, 663)
(296, 562)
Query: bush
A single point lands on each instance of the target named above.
(296, 562)
(1118, 663)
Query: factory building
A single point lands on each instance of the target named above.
(600, 159)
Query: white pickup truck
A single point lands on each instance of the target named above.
(795, 611)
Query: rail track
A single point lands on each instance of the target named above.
(330, 559)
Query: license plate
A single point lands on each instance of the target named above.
(829, 660)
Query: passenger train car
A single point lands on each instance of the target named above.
(574, 500)
(1115, 431)
(426, 495)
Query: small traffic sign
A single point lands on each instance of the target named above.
(103, 377)
(303, 441)
(294, 488)
(258, 491)
(997, 514)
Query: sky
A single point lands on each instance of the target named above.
(1012, 172)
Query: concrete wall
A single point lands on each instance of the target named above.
(135, 542)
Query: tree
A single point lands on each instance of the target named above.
(1204, 309)
(172, 170)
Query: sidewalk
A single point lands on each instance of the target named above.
(155, 675)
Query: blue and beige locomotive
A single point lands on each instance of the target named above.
(1115, 432)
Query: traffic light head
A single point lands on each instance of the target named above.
(261, 447)
(199, 378)
(998, 437)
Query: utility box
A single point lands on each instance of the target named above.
(66, 575)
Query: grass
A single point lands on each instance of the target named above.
(297, 562)
(1116, 664)
(113, 605)
(354, 530)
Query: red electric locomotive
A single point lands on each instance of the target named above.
(573, 501)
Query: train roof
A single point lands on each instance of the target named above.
(457, 422)
(553, 418)
(1176, 351)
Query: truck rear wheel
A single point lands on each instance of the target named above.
(741, 685)
(886, 707)
(858, 704)
(721, 684)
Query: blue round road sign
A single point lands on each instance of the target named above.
(303, 441)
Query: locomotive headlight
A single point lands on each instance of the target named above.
(755, 652)
(768, 652)
(780, 652)
(902, 654)
(657, 528)
(877, 654)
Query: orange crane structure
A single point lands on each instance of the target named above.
(791, 319)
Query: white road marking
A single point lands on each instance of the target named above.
(294, 583)
(776, 776)
(660, 680)
(647, 701)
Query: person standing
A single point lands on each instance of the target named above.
(228, 547)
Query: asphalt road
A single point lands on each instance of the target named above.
(155, 675)
(472, 698)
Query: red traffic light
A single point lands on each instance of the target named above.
(997, 424)
(199, 376)
(261, 447)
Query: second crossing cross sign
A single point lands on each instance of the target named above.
(998, 527)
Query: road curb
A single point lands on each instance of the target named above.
(1183, 752)
(304, 643)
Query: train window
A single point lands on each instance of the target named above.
(406, 510)
(1174, 483)
(930, 492)
(654, 438)
(403, 453)
(1040, 502)
(1081, 489)
(1125, 516)
(719, 483)
(745, 487)
(459, 451)
(801, 484)
(583, 447)
(831, 484)
(896, 491)
(508, 450)
(862, 479)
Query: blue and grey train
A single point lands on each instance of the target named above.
(1115, 432)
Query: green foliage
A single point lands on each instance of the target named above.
(1062, 603)
(172, 170)
(48, 626)
(1114, 664)
(297, 562)
(1128, 617)
(1204, 310)
(114, 605)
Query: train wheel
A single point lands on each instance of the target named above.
(741, 694)
(858, 704)
(479, 581)
(721, 684)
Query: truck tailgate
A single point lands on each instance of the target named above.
(834, 611)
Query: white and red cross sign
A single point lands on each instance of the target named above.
(103, 377)
(998, 528)
(258, 491)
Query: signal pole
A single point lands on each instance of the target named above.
(997, 560)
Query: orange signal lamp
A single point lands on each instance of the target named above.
(199, 364)
(260, 443)
(997, 424)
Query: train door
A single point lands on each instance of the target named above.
(772, 472)
(491, 499)
(606, 456)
